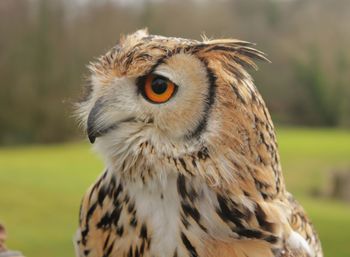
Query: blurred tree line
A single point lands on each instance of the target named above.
(46, 44)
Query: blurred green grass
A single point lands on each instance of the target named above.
(41, 188)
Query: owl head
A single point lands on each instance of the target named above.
(176, 97)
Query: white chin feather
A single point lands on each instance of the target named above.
(296, 241)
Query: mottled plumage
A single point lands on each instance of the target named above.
(192, 168)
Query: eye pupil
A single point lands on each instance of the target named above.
(159, 86)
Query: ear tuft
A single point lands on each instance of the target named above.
(142, 32)
(238, 51)
(134, 37)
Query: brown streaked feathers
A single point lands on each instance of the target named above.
(196, 176)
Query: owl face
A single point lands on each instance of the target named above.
(172, 93)
(170, 101)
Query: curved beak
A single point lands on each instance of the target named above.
(92, 130)
(94, 126)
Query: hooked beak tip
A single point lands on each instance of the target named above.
(92, 138)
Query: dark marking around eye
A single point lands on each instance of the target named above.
(208, 103)
(140, 82)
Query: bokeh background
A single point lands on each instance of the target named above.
(45, 161)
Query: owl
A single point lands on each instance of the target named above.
(192, 165)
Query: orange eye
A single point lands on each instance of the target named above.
(158, 89)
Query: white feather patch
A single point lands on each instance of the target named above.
(296, 241)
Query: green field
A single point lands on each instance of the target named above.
(41, 188)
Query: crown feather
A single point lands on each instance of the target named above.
(237, 50)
